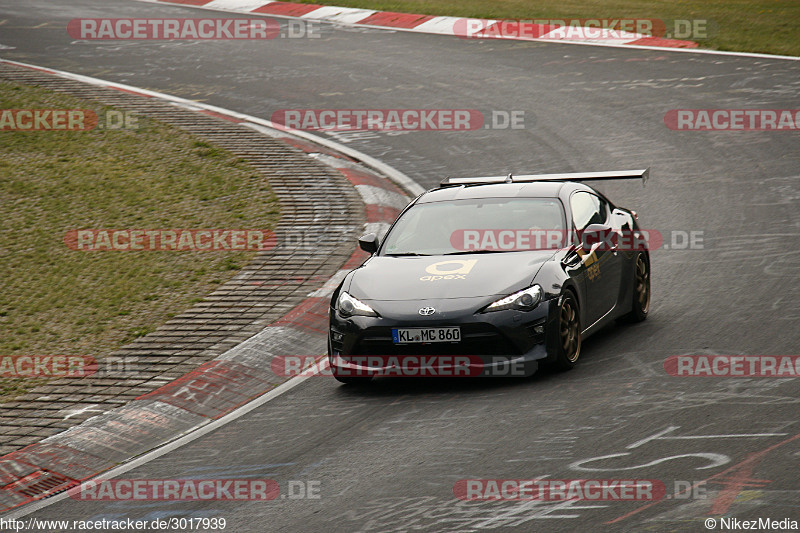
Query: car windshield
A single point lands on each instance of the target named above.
(478, 225)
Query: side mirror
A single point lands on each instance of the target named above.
(368, 243)
(594, 234)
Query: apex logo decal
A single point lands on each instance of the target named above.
(591, 263)
(452, 269)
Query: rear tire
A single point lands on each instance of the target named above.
(568, 350)
(640, 299)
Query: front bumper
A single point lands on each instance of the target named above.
(502, 343)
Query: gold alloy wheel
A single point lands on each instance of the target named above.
(569, 329)
(642, 284)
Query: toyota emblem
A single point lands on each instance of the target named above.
(427, 311)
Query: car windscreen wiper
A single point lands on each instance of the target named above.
(407, 254)
(465, 252)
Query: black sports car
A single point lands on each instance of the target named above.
(490, 276)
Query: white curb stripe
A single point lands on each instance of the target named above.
(379, 196)
(238, 6)
(378, 228)
(341, 15)
(441, 25)
(567, 33)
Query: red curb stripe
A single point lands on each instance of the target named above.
(356, 177)
(40, 484)
(213, 389)
(664, 43)
(381, 213)
(63, 460)
(11, 469)
(304, 146)
(390, 19)
(358, 257)
(288, 9)
(311, 315)
(222, 116)
(315, 149)
(9, 500)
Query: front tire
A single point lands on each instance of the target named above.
(569, 333)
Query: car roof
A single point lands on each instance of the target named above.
(540, 189)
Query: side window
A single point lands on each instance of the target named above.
(587, 209)
(604, 211)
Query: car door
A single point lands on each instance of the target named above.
(603, 263)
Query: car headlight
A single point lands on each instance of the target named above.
(524, 300)
(349, 306)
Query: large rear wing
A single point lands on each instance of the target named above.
(643, 174)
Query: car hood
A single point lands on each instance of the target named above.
(462, 276)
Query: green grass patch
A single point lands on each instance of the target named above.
(55, 300)
(766, 26)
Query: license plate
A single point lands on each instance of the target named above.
(420, 335)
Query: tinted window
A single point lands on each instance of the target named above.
(587, 209)
(604, 210)
(442, 227)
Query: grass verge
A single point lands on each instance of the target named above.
(58, 301)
